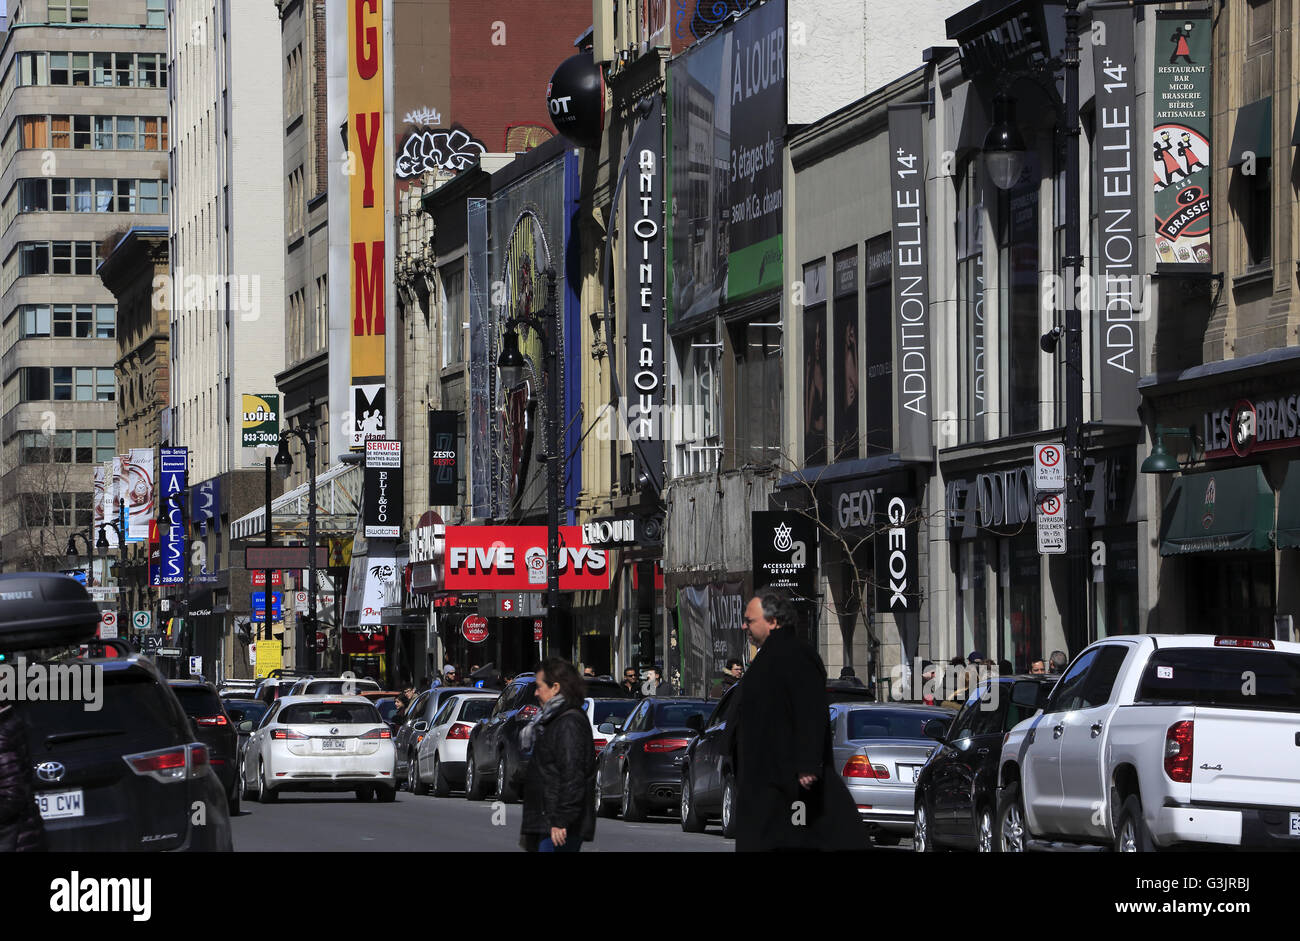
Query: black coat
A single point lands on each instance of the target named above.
(783, 733)
(560, 786)
(21, 829)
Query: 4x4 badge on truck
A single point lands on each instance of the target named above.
(1211, 767)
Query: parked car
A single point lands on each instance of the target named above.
(494, 754)
(332, 686)
(956, 791)
(213, 727)
(245, 715)
(641, 766)
(415, 724)
(272, 689)
(318, 743)
(387, 706)
(439, 762)
(879, 750)
(708, 785)
(1108, 760)
(606, 711)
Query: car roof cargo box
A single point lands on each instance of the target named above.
(42, 609)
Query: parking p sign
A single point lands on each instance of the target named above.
(1049, 467)
(1051, 524)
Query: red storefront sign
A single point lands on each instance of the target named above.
(474, 629)
(259, 578)
(513, 558)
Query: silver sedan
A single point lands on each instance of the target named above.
(879, 749)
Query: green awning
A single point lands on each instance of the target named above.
(1229, 510)
(1288, 509)
(1253, 133)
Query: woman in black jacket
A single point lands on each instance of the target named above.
(559, 788)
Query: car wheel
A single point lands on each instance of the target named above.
(441, 786)
(365, 793)
(232, 799)
(386, 795)
(417, 782)
(265, 795)
(984, 841)
(1131, 833)
(632, 811)
(1013, 833)
(604, 806)
(474, 789)
(692, 820)
(505, 792)
(246, 792)
(729, 808)
(922, 835)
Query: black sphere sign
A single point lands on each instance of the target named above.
(575, 98)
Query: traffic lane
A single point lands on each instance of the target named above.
(341, 823)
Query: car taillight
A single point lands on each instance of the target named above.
(599, 743)
(170, 764)
(459, 731)
(860, 766)
(210, 720)
(282, 735)
(527, 712)
(666, 744)
(1178, 752)
(380, 733)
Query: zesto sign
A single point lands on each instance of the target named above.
(506, 558)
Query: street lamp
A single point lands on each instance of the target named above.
(512, 365)
(284, 464)
(1003, 156)
(1161, 461)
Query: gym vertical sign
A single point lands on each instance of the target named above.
(366, 143)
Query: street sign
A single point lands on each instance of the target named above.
(1051, 524)
(107, 625)
(252, 655)
(300, 602)
(259, 606)
(1049, 467)
(142, 621)
(537, 630)
(259, 578)
(196, 666)
(283, 557)
(150, 643)
(169, 651)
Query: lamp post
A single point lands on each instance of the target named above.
(512, 365)
(284, 463)
(1003, 151)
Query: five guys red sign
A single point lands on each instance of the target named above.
(513, 558)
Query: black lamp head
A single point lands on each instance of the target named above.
(511, 362)
(1004, 148)
(283, 462)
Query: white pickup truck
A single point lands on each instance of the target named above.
(1152, 741)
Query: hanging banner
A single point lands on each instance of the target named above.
(897, 574)
(911, 280)
(367, 141)
(444, 459)
(1115, 182)
(1181, 137)
(140, 502)
(644, 285)
(382, 490)
(785, 552)
(175, 464)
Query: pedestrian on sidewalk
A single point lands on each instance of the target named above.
(729, 678)
(630, 682)
(655, 685)
(21, 828)
(789, 795)
(559, 788)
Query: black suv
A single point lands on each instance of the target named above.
(129, 776)
(214, 728)
(494, 752)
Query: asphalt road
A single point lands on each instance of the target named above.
(339, 822)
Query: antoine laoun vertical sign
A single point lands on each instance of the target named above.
(1181, 137)
(366, 141)
(911, 280)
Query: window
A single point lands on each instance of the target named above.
(32, 69)
(105, 321)
(453, 316)
(102, 69)
(81, 132)
(33, 196)
(61, 254)
(34, 384)
(1068, 687)
(103, 195)
(1100, 683)
(971, 336)
(156, 13)
(83, 190)
(67, 11)
(61, 132)
(151, 70)
(33, 258)
(126, 190)
(1023, 328)
(103, 133)
(758, 394)
(34, 321)
(813, 375)
(126, 133)
(846, 352)
(59, 68)
(62, 382)
(1257, 213)
(699, 441)
(63, 320)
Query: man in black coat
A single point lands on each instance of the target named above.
(21, 828)
(788, 792)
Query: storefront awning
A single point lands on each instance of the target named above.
(1229, 510)
(1288, 509)
(1254, 132)
(338, 500)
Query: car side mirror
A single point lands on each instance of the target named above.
(1030, 695)
(936, 729)
(420, 726)
(245, 727)
(607, 728)
(695, 723)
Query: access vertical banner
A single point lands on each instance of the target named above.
(1181, 137)
(172, 480)
(644, 250)
(911, 280)
(366, 143)
(1115, 181)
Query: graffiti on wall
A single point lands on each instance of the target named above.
(453, 149)
(423, 117)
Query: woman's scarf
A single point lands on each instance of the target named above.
(528, 736)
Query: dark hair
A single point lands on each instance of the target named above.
(733, 662)
(559, 670)
(1058, 659)
(777, 607)
(1004, 666)
(956, 662)
(846, 673)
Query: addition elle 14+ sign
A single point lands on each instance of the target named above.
(383, 489)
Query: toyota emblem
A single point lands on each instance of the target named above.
(51, 771)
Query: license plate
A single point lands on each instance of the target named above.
(333, 744)
(56, 804)
(1295, 823)
(909, 773)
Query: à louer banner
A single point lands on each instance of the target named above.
(1181, 138)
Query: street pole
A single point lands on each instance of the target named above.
(1076, 623)
(553, 461)
(266, 573)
